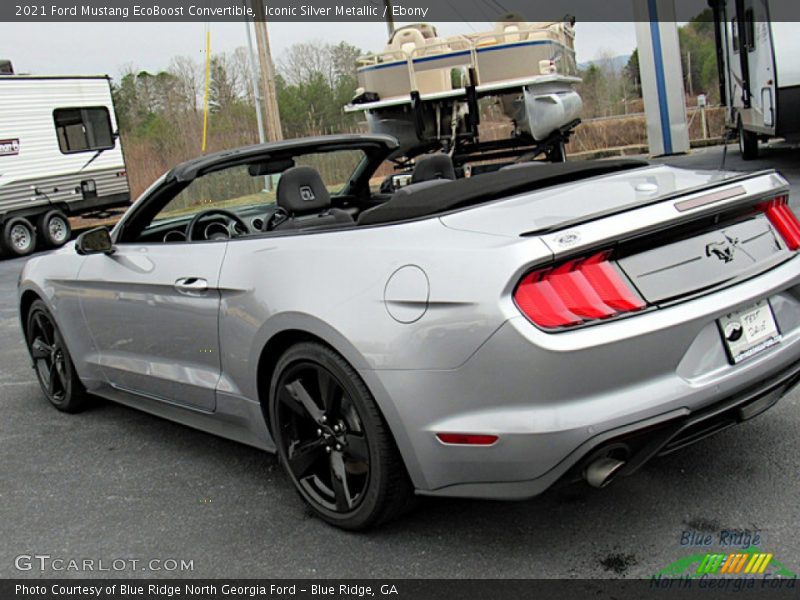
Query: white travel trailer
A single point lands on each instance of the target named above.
(60, 155)
(758, 50)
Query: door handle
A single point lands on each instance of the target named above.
(191, 285)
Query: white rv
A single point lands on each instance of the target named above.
(758, 51)
(60, 155)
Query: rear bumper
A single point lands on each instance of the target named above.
(656, 382)
(643, 444)
(642, 441)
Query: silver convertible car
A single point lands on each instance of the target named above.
(434, 334)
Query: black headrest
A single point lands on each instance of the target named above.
(435, 166)
(301, 191)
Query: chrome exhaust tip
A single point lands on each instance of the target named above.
(600, 472)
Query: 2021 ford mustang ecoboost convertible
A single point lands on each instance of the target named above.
(480, 336)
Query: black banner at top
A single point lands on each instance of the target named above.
(400, 11)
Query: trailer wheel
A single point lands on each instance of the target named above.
(19, 237)
(54, 228)
(748, 143)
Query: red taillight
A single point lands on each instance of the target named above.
(579, 296)
(609, 284)
(783, 219)
(467, 439)
(576, 291)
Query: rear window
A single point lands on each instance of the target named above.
(83, 129)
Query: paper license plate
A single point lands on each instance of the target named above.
(750, 331)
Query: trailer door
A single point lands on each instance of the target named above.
(757, 50)
(728, 59)
(735, 88)
(786, 42)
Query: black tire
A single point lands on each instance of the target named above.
(345, 435)
(52, 362)
(54, 228)
(748, 143)
(19, 237)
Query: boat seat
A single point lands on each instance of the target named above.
(418, 41)
(555, 31)
(426, 30)
(509, 29)
(510, 33)
(406, 40)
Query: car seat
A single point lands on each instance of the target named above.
(303, 202)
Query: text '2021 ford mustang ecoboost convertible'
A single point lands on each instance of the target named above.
(481, 336)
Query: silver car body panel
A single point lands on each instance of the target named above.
(423, 310)
(165, 340)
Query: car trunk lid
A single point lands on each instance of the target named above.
(565, 205)
(737, 251)
(682, 244)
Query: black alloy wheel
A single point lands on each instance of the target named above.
(323, 437)
(333, 442)
(52, 362)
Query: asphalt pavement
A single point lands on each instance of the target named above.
(117, 484)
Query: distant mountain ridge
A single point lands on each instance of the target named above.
(615, 63)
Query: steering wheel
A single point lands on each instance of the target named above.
(237, 220)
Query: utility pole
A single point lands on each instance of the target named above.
(272, 115)
(689, 73)
(389, 18)
(257, 95)
(254, 80)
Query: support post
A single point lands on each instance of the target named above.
(257, 96)
(272, 118)
(662, 76)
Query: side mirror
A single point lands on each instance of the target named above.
(94, 241)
